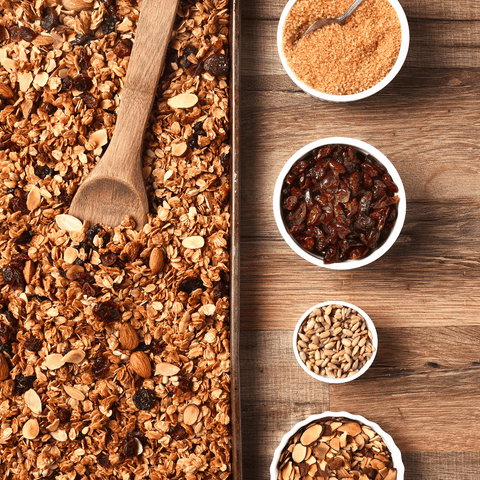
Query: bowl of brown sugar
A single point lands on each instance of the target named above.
(343, 63)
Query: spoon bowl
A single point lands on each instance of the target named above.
(115, 188)
(323, 22)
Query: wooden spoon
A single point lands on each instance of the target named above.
(115, 187)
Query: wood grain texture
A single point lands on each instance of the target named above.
(115, 187)
(423, 295)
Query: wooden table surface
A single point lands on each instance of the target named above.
(423, 295)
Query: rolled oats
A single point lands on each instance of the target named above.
(75, 286)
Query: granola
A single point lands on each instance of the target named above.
(114, 343)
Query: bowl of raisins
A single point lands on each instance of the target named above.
(339, 203)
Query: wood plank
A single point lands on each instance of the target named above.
(433, 44)
(414, 9)
(270, 381)
(439, 466)
(422, 388)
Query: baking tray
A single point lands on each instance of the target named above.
(236, 458)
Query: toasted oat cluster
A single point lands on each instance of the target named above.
(114, 343)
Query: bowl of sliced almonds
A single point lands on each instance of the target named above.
(337, 445)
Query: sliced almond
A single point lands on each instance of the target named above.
(69, 223)
(193, 242)
(184, 100)
(33, 401)
(335, 444)
(70, 254)
(4, 368)
(29, 271)
(166, 369)
(74, 393)
(77, 5)
(41, 79)
(190, 414)
(311, 434)
(369, 432)
(74, 356)
(178, 149)
(34, 198)
(59, 435)
(351, 428)
(100, 138)
(391, 475)
(287, 470)
(5, 91)
(54, 361)
(321, 450)
(156, 260)
(54, 425)
(299, 452)
(335, 425)
(31, 429)
(24, 80)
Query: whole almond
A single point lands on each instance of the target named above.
(128, 337)
(4, 370)
(156, 260)
(140, 364)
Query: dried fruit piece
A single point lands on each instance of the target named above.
(49, 18)
(106, 312)
(100, 366)
(123, 48)
(177, 432)
(184, 100)
(217, 65)
(23, 383)
(140, 364)
(64, 415)
(31, 429)
(144, 399)
(32, 344)
(128, 337)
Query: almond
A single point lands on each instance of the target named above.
(74, 393)
(74, 356)
(128, 337)
(33, 401)
(77, 5)
(178, 149)
(5, 91)
(29, 271)
(54, 361)
(4, 369)
(190, 414)
(193, 242)
(31, 429)
(70, 254)
(140, 364)
(184, 100)
(69, 223)
(166, 369)
(74, 271)
(34, 198)
(156, 260)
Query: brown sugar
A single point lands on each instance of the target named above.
(342, 59)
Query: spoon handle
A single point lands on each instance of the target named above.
(143, 73)
(350, 10)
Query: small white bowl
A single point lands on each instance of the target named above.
(370, 326)
(365, 148)
(402, 55)
(394, 451)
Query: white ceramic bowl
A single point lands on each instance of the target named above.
(402, 55)
(401, 205)
(394, 451)
(370, 326)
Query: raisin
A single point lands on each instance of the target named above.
(67, 83)
(82, 59)
(27, 34)
(7, 348)
(85, 247)
(108, 259)
(123, 48)
(217, 65)
(89, 100)
(81, 40)
(23, 384)
(188, 285)
(64, 415)
(156, 347)
(99, 231)
(48, 108)
(189, 50)
(103, 460)
(220, 290)
(49, 18)
(83, 83)
(110, 5)
(144, 399)
(100, 366)
(185, 385)
(197, 132)
(225, 161)
(177, 432)
(290, 202)
(15, 34)
(24, 238)
(13, 276)
(171, 58)
(88, 290)
(5, 332)
(32, 344)
(109, 24)
(106, 312)
(65, 197)
(18, 204)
